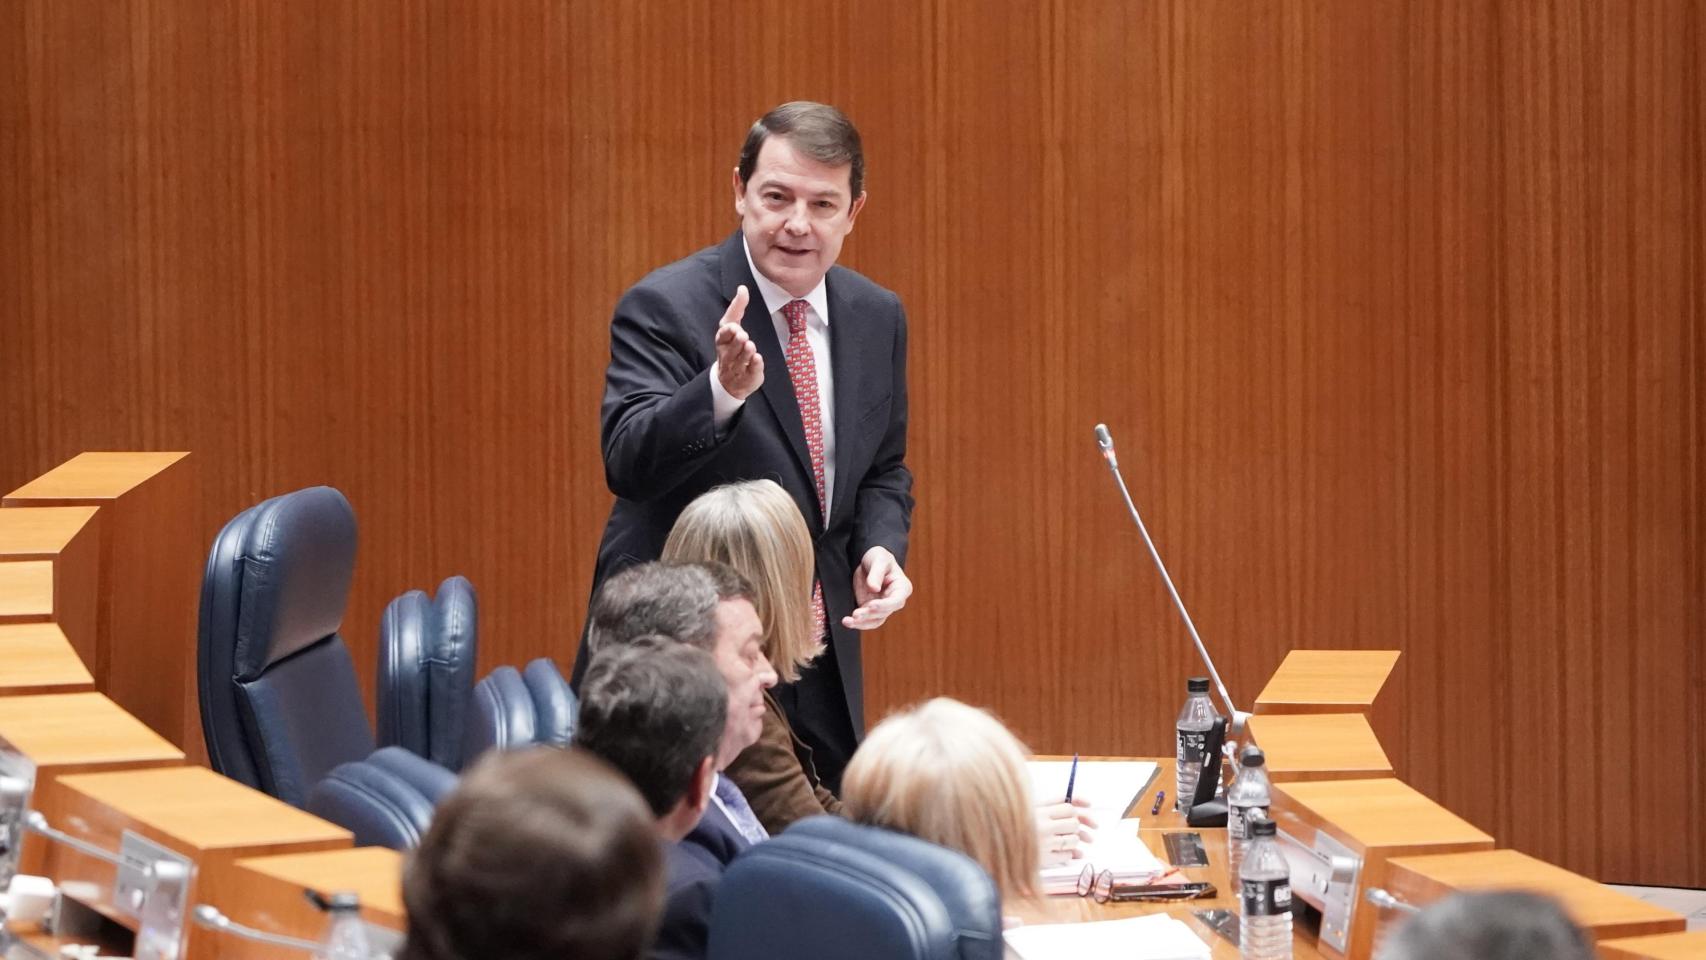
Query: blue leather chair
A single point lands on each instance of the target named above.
(830, 889)
(427, 649)
(280, 706)
(386, 800)
(513, 709)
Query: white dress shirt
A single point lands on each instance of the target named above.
(724, 405)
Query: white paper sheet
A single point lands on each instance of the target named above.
(1153, 937)
(1109, 785)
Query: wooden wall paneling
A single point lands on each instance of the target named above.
(1394, 309)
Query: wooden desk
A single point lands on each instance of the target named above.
(1341, 681)
(211, 820)
(26, 591)
(151, 556)
(36, 658)
(68, 538)
(1603, 912)
(1670, 946)
(267, 893)
(1071, 909)
(1320, 746)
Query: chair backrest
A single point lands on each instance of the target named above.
(427, 649)
(829, 889)
(280, 706)
(511, 709)
(386, 800)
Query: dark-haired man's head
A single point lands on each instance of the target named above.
(538, 853)
(799, 186)
(704, 605)
(1505, 925)
(655, 710)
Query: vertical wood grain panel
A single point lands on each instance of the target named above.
(1397, 310)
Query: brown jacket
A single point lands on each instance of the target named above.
(776, 774)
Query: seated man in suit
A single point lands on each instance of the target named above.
(707, 607)
(537, 853)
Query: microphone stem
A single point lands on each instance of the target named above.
(1225, 698)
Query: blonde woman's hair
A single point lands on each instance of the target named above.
(755, 527)
(953, 775)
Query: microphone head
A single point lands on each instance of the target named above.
(1104, 439)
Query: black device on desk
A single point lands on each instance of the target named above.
(1206, 811)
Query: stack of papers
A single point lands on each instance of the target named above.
(1153, 937)
(1110, 786)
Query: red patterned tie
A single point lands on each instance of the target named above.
(802, 369)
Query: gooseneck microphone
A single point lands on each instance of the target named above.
(1105, 440)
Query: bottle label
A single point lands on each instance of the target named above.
(1238, 821)
(1266, 898)
(1192, 744)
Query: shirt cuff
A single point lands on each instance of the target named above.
(724, 406)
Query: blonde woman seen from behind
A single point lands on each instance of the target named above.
(755, 527)
(953, 775)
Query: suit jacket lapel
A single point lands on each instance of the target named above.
(778, 389)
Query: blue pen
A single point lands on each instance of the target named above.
(1071, 778)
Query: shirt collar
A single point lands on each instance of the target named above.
(775, 298)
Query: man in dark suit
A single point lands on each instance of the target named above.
(655, 709)
(801, 380)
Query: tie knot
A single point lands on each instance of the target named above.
(795, 313)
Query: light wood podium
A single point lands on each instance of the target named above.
(1325, 746)
(150, 560)
(36, 658)
(26, 591)
(192, 812)
(1340, 681)
(1373, 822)
(68, 539)
(1669, 946)
(1603, 912)
(267, 893)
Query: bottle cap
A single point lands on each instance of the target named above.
(1252, 757)
(343, 901)
(1262, 827)
(1197, 685)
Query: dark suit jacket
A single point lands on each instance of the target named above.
(696, 867)
(661, 448)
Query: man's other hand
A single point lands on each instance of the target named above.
(739, 367)
(880, 586)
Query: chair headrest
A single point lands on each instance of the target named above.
(501, 716)
(554, 704)
(829, 888)
(295, 564)
(427, 651)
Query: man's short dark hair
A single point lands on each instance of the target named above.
(1490, 926)
(537, 853)
(673, 600)
(817, 130)
(654, 709)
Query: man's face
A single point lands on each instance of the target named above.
(739, 653)
(795, 212)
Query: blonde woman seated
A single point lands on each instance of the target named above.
(950, 774)
(754, 527)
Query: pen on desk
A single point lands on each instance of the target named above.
(1072, 778)
(1159, 796)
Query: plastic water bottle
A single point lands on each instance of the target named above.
(1264, 881)
(1195, 721)
(1247, 799)
(346, 935)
